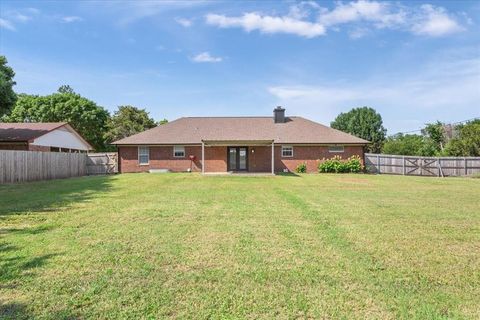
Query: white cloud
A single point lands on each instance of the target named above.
(381, 13)
(6, 24)
(308, 19)
(442, 90)
(70, 19)
(268, 24)
(184, 22)
(206, 57)
(435, 21)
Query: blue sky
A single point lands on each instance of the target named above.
(415, 62)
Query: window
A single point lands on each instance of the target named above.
(179, 151)
(143, 155)
(287, 151)
(335, 149)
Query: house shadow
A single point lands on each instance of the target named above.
(288, 174)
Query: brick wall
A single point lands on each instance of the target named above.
(259, 160)
(161, 157)
(38, 148)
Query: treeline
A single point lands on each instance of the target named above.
(100, 128)
(435, 139)
(92, 121)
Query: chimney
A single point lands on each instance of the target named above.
(279, 115)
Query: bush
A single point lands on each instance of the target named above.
(301, 168)
(338, 165)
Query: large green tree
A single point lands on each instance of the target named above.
(435, 135)
(7, 95)
(466, 143)
(409, 145)
(126, 121)
(364, 123)
(84, 115)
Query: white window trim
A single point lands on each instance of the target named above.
(334, 151)
(183, 147)
(285, 147)
(148, 154)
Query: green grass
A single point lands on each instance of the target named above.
(185, 246)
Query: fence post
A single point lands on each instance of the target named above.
(378, 164)
(403, 165)
(466, 167)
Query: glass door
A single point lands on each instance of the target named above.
(237, 158)
(242, 158)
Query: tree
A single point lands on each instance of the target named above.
(408, 145)
(467, 141)
(163, 121)
(84, 115)
(7, 95)
(364, 123)
(126, 121)
(436, 134)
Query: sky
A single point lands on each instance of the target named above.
(415, 62)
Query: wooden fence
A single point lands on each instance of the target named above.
(422, 166)
(102, 163)
(20, 166)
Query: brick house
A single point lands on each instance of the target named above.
(236, 144)
(42, 136)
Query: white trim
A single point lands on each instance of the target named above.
(175, 151)
(287, 147)
(148, 154)
(203, 157)
(336, 151)
(273, 158)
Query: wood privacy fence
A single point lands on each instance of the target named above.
(20, 166)
(422, 166)
(102, 163)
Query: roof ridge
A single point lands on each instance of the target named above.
(206, 117)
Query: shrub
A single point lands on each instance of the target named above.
(301, 168)
(338, 165)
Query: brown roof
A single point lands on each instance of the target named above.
(192, 130)
(18, 132)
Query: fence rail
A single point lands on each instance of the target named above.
(422, 166)
(20, 166)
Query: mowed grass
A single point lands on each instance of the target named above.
(146, 246)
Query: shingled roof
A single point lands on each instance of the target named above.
(24, 132)
(192, 130)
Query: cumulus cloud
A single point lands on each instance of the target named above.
(309, 20)
(435, 22)
(5, 24)
(206, 57)
(71, 19)
(184, 22)
(268, 24)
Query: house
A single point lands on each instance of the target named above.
(222, 144)
(44, 136)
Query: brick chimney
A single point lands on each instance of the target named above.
(279, 114)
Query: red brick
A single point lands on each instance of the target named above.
(161, 157)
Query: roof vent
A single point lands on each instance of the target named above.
(279, 114)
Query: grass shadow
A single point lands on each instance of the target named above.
(51, 195)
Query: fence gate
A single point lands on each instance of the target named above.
(102, 163)
(422, 166)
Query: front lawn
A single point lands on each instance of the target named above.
(186, 246)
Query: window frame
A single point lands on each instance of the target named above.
(283, 150)
(147, 154)
(336, 151)
(175, 151)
